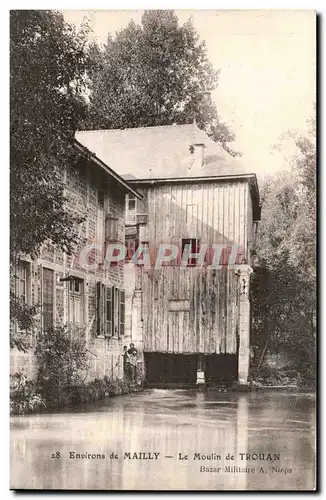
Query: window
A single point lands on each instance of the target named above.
(23, 281)
(47, 293)
(110, 310)
(111, 228)
(192, 246)
(76, 302)
(131, 208)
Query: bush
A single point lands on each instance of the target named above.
(63, 364)
(24, 395)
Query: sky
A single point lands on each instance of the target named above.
(267, 69)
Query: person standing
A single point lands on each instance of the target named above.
(132, 353)
(126, 363)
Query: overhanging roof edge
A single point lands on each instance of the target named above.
(108, 170)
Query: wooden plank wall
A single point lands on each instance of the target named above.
(215, 212)
(190, 310)
(194, 310)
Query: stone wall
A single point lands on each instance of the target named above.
(91, 194)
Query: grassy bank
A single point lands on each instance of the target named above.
(27, 396)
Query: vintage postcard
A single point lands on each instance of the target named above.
(163, 250)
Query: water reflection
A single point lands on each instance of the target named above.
(169, 423)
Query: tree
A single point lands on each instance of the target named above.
(154, 74)
(284, 295)
(48, 60)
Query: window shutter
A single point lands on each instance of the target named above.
(122, 313)
(108, 311)
(100, 308)
(116, 311)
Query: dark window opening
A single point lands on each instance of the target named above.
(192, 245)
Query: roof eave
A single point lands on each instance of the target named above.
(251, 178)
(108, 170)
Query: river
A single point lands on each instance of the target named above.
(151, 440)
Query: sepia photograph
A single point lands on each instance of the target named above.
(163, 311)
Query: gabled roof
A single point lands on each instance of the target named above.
(159, 152)
(163, 154)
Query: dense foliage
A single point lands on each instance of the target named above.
(284, 292)
(47, 68)
(48, 60)
(63, 361)
(156, 73)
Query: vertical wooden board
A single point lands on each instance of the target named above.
(197, 312)
(211, 329)
(236, 214)
(177, 200)
(218, 312)
(202, 280)
(226, 298)
(154, 302)
(208, 313)
(151, 216)
(198, 202)
(223, 212)
(160, 212)
(226, 210)
(229, 314)
(222, 310)
(191, 343)
(231, 212)
(201, 214)
(164, 309)
(213, 305)
(234, 307)
(147, 316)
(213, 212)
(150, 311)
(208, 203)
(194, 324)
(250, 230)
(227, 306)
(161, 333)
(173, 214)
(209, 325)
(204, 234)
(165, 213)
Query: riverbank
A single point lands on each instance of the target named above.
(28, 396)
